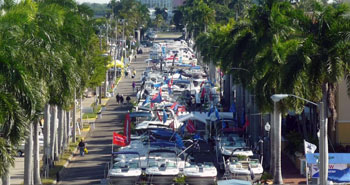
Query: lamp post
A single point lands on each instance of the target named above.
(323, 141)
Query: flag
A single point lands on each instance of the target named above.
(202, 84)
(165, 116)
(223, 124)
(309, 147)
(169, 90)
(160, 118)
(211, 83)
(127, 129)
(246, 124)
(174, 106)
(157, 98)
(217, 113)
(170, 83)
(182, 129)
(181, 108)
(197, 136)
(146, 101)
(233, 107)
(203, 93)
(190, 127)
(172, 125)
(119, 139)
(210, 110)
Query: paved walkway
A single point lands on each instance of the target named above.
(90, 168)
(290, 174)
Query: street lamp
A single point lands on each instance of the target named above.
(323, 141)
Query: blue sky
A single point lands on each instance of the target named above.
(92, 1)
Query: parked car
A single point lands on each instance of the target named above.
(21, 147)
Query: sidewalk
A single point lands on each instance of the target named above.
(290, 173)
(91, 168)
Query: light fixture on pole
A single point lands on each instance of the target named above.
(323, 139)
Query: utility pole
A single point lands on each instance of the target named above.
(106, 80)
(115, 48)
(100, 87)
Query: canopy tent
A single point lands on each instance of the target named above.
(118, 64)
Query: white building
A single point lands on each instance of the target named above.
(152, 4)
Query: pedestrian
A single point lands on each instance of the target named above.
(126, 73)
(128, 99)
(121, 99)
(82, 147)
(133, 86)
(117, 97)
(134, 73)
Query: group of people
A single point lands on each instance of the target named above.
(120, 99)
(128, 71)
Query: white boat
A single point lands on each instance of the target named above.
(162, 167)
(203, 174)
(244, 168)
(125, 168)
(229, 143)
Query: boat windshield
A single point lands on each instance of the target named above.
(171, 164)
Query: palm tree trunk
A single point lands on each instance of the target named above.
(47, 142)
(272, 145)
(53, 127)
(60, 129)
(28, 160)
(6, 177)
(36, 179)
(332, 118)
(66, 130)
(277, 175)
(74, 135)
(63, 145)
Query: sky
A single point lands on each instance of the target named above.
(93, 1)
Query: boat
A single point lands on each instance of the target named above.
(201, 173)
(230, 142)
(244, 167)
(125, 168)
(162, 167)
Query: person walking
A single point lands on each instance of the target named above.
(82, 147)
(134, 74)
(133, 86)
(122, 99)
(128, 99)
(118, 98)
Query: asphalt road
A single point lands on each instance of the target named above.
(90, 168)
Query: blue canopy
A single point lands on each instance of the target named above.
(181, 81)
(161, 143)
(140, 114)
(167, 135)
(185, 65)
(195, 67)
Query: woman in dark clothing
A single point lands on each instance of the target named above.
(118, 98)
(121, 99)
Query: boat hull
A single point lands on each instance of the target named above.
(246, 177)
(191, 180)
(127, 180)
(161, 179)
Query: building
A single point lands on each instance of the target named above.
(168, 4)
(178, 3)
(343, 120)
